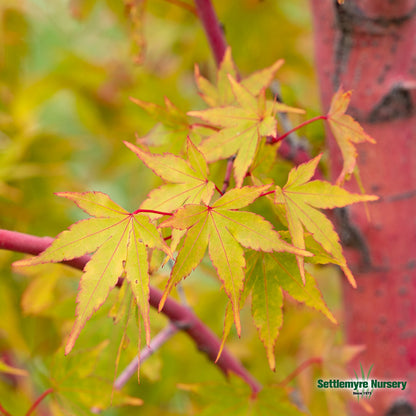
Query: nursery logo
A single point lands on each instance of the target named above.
(362, 387)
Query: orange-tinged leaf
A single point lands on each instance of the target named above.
(346, 131)
(301, 197)
(118, 240)
(225, 231)
(188, 179)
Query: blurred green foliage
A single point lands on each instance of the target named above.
(67, 70)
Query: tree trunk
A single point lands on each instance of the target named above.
(369, 46)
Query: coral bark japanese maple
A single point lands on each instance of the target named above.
(369, 47)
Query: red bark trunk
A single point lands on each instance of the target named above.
(369, 46)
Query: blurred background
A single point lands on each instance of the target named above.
(67, 71)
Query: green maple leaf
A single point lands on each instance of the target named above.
(234, 397)
(188, 179)
(77, 387)
(225, 231)
(171, 127)
(221, 94)
(346, 131)
(300, 198)
(119, 240)
(169, 114)
(268, 275)
(242, 126)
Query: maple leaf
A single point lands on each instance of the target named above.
(242, 127)
(234, 397)
(301, 197)
(171, 127)
(346, 132)
(225, 231)
(119, 240)
(169, 114)
(267, 276)
(221, 94)
(77, 387)
(188, 179)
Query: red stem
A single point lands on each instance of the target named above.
(212, 27)
(138, 211)
(38, 400)
(180, 315)
(4, 412)
(266, 193)
(305, 123)
(219, 190)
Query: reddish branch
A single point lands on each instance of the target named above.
(212, 27)
(205, 340)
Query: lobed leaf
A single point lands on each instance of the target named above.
(242, 126)
(346, 131)
(119, 240)
(301, 198)
(234, 397)
(188, 179)
(225, 231)
(267, 275)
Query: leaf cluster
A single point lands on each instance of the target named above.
(199, 220)
(256, 241)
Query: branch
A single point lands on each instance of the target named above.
(162, 337)
(181, 316)
(212, 28)
(228, 172)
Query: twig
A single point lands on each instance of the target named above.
(180, 315)
(162, 337)
(38, 400)
(228, 173)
